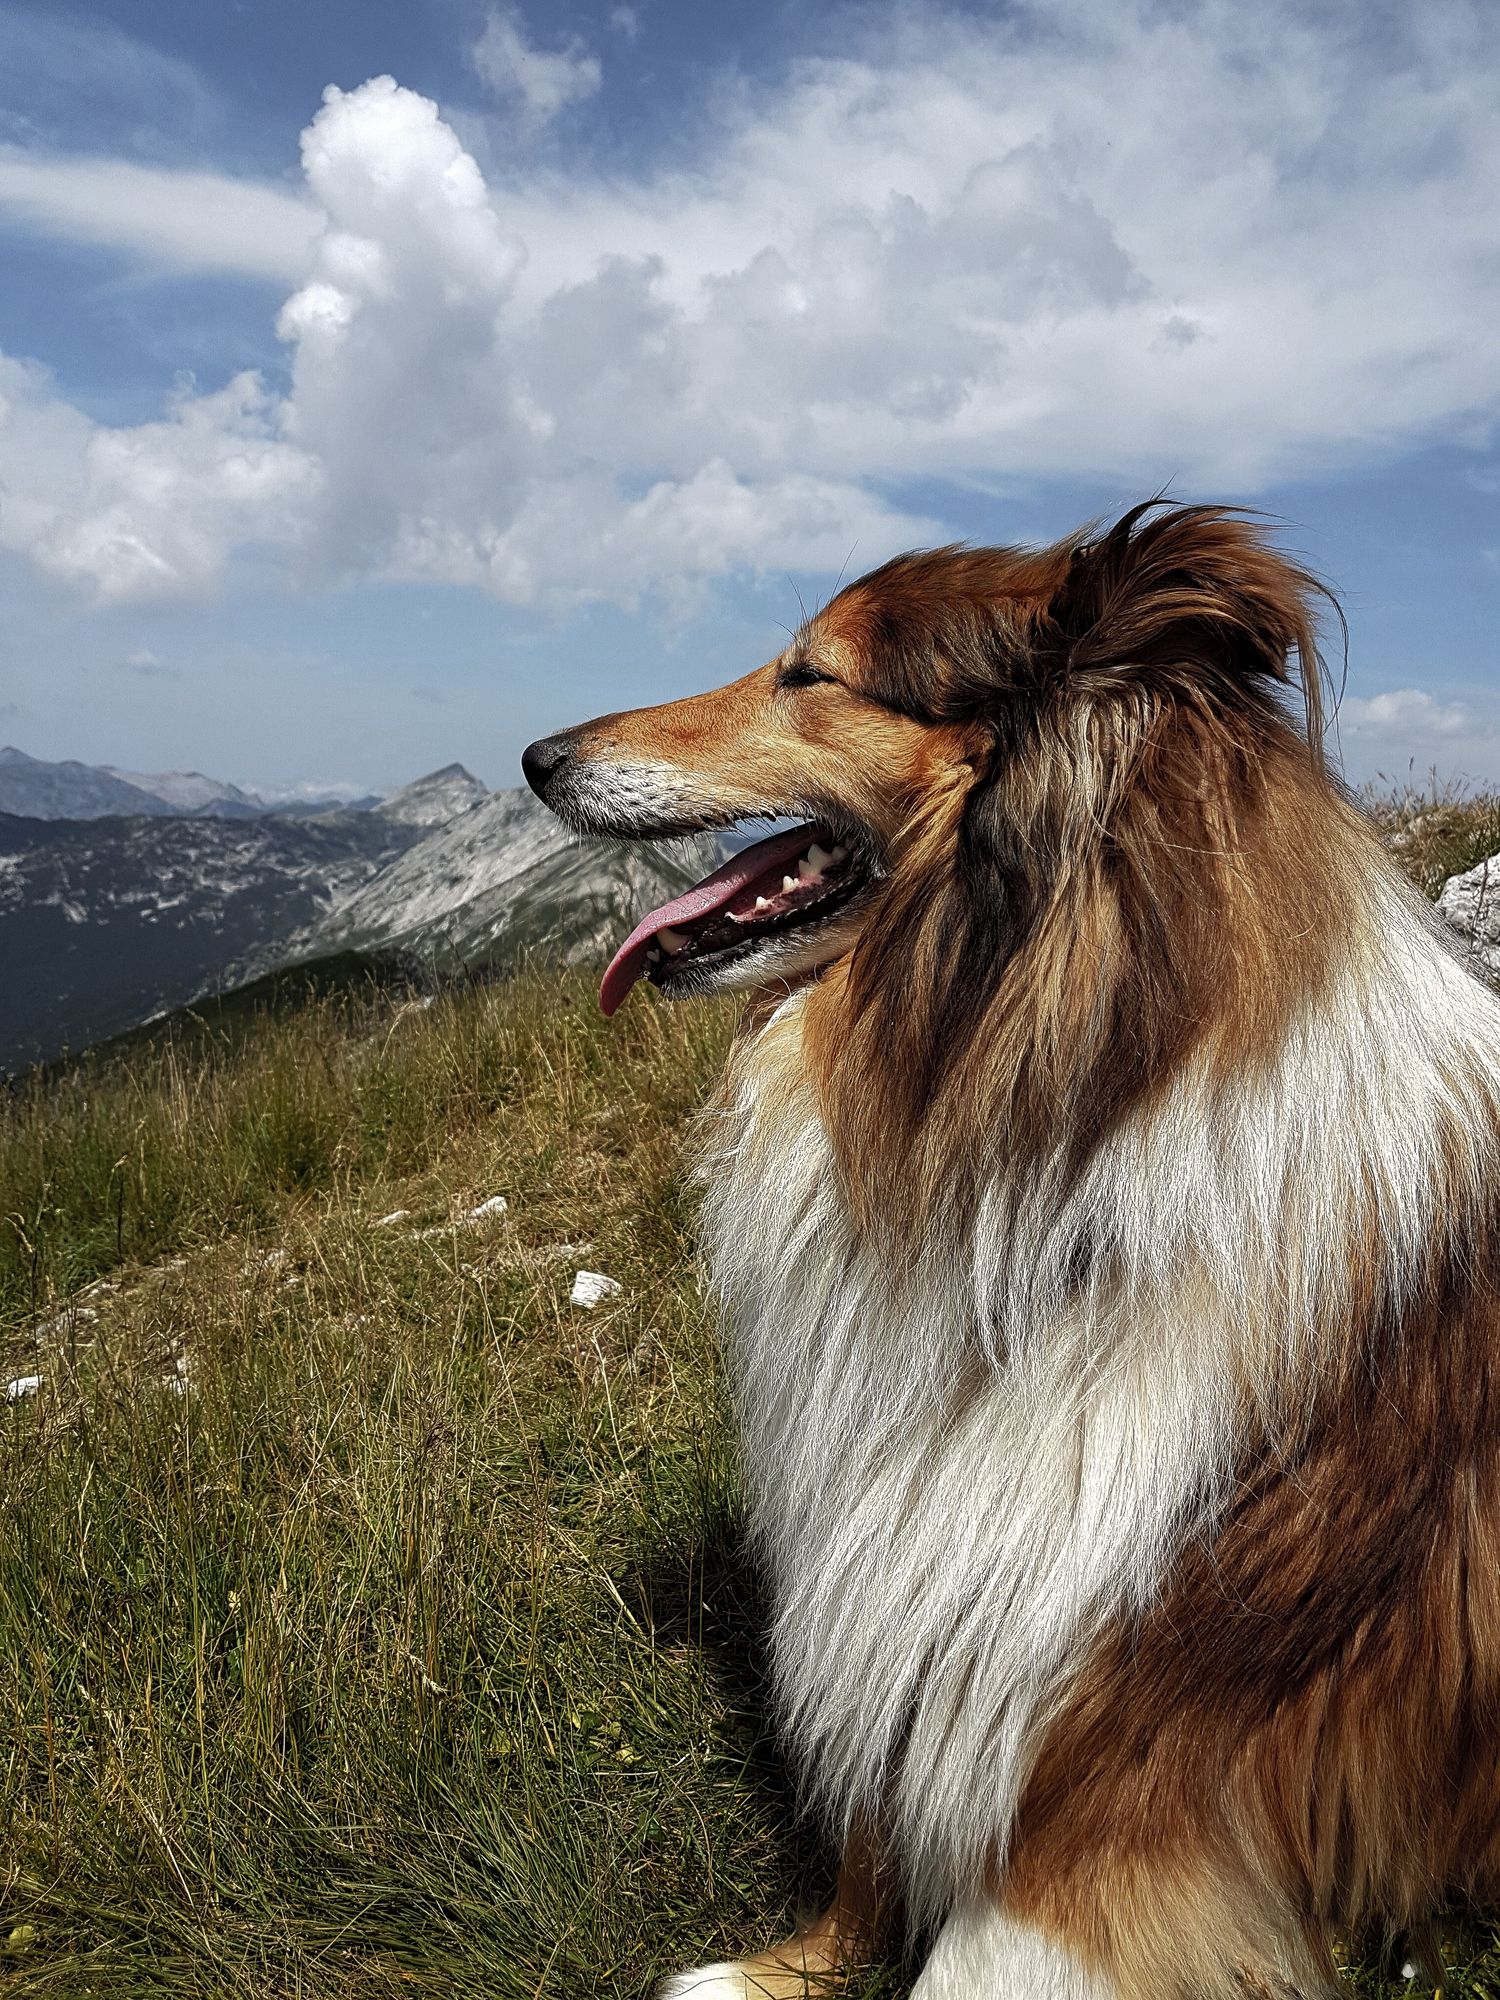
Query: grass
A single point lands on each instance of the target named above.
(1436, 830)
(372, 1619)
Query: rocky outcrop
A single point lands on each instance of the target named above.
(1470, 904)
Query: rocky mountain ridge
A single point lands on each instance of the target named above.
(35, 789)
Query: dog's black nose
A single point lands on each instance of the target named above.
(541, 759)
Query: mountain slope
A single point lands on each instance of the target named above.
(103, 923)
(504, 878)
(38, 790)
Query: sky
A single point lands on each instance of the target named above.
(384, 382)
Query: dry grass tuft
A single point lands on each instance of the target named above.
(1436, 830)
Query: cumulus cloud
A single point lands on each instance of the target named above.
(1215, 244)
(152, 509)
(1411, 730)
(541, 82)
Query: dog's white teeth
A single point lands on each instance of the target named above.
(806, 872)
(671, 940)
(838, 854)
(818, 858)
(762, 902)
(788, 884)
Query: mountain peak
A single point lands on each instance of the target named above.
(432, 800)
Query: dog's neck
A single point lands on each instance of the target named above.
(1295, 1190)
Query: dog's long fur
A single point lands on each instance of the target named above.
(1107, 1240)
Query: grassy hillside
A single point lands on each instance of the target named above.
(371, 1621)
(369, 1618)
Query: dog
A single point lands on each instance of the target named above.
(1102, 1194)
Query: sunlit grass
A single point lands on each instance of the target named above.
(371, 1619)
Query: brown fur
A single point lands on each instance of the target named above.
(1305, 1731)
(1122, 875)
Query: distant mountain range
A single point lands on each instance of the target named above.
(36, 789)
(111, 914)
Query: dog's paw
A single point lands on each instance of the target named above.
(708, 1982)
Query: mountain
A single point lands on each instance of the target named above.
(319, 804)
(31, 788)
(70, 790)
(35, 789)
(107, 922)
(191, 792)
(435, 799)
(506, 877)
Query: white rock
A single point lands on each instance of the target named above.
(388, 1221)
(591, 1288)
(1470, 903)
(22, 1386)
(67, 1321)
(496, 1205)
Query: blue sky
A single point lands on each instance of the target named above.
(382, 384)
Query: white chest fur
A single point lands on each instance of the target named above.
(941, 1554)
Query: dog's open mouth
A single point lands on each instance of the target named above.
(790, 882)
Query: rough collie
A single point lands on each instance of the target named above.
(1103, 1195)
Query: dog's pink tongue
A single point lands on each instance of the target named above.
(711, 894)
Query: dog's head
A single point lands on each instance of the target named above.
(951, 733)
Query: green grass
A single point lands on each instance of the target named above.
(372, 1620)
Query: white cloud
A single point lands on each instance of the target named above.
(151, 509)
(1409, 729)
(541, 82)
(180, 221)
(625, 21)
(1404, 712)
(1213, 244)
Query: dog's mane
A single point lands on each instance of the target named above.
(1147, 860)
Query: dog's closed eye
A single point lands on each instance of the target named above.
(801, 675)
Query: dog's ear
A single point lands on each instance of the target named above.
(1188, 606)
(1155, 656)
